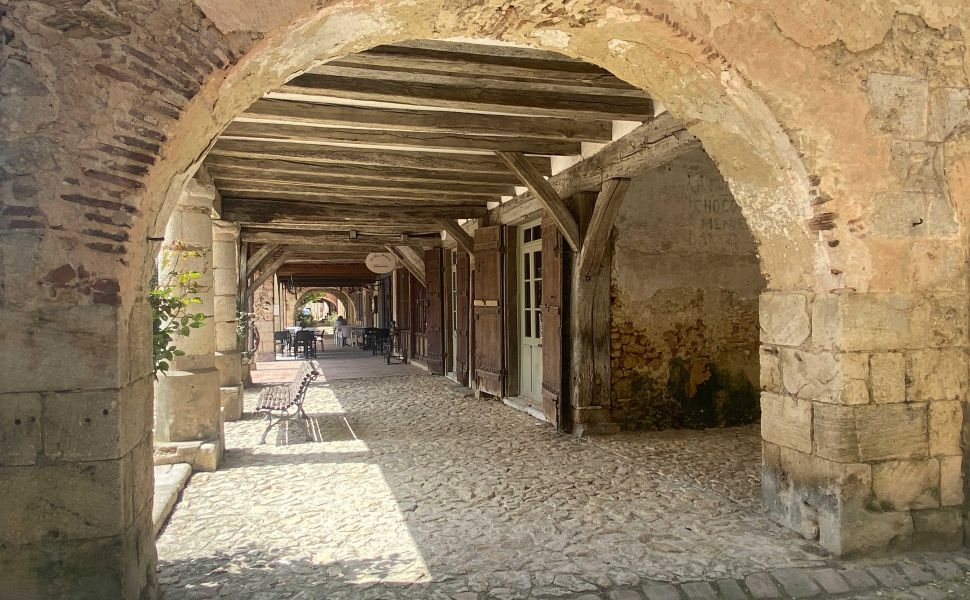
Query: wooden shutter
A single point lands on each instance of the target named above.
(489, 328)
(461, 327)
(552, 322)
(435, 332)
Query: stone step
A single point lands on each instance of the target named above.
(169, 481)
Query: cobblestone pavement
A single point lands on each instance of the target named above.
(409, 489)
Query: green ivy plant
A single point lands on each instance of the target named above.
(244, 323)
(171, 301)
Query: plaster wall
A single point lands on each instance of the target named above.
(684, 302)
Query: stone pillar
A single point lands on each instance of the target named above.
(187, 406)
(225, 269)
(862, 413)
(263, 303)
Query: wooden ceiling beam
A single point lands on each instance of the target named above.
(428, 121)
(350, 199)
(295, 132)
(341, 182)
(337, 190)
(404, 159)
(250, 211)
(501, 181)
(455, 78)
(400, 59)
(257, 260)
(305, 238)
(471, 98)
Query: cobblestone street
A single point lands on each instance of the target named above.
(410, 489)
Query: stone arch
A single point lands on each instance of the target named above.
(98, 151)
(335, 295)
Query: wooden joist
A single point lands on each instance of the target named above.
(484, 60)
(335, 155)
(360, 173)
(387, 138)
(597, 237)
(548, 197)
(362, 185)
(299, 237)
(427, 121)
(465, 80)
(362, 225)
(377, 196)
(255, 211)
(461, 236)
(471, 98)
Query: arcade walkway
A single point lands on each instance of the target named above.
(414, 489)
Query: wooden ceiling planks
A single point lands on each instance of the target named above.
(391, 142)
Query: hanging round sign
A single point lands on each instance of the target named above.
(380, 262)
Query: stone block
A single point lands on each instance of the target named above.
(951, 480)
(770, 374)
(899, 105)
(941, 320)
(224, 280)
(939, 528)
(938, 265)
(858, 532)
(226, 337)
(224, 308)
(91, 334)
(949, 110)
(870, 432)
(170, 453)
(906, 484)
(230, 367)
(811, 494)
(874, 322)
(20, 429)
(108, 566)
(946, 425)
(82, 426)
(231, 399)
(187, 406)
(918, 166)
(786, 421)
(808, 375)
(224, 253)
(69, 501)
(784, 319)
(936, 375)
(854, 379)
(207, 458)
(826, 321)
(888, 377)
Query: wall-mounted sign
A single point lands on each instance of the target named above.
(380, 262)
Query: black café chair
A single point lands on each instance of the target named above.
(282, 340)
(305, 341)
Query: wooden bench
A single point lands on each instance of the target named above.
(285, 402)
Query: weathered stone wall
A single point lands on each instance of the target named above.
(685, 287)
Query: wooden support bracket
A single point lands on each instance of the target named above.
(607, 207)
(547, 196)
(410, 259)
(256, 261)
(268, 272)
(461, 236)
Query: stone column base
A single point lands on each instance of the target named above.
(231, 398)
(187, 406)
(592, 420)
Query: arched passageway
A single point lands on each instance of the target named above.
(863, 322)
